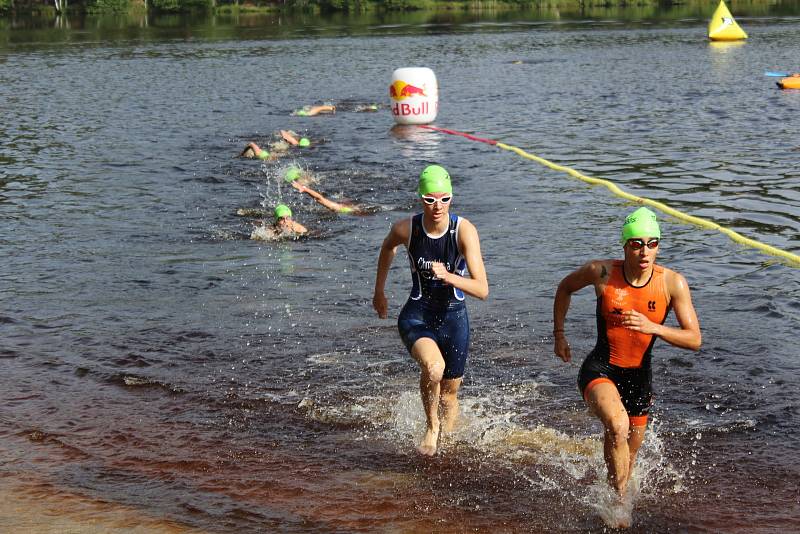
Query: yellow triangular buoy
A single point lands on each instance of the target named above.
(722, 27)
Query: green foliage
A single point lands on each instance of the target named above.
(175, 6)
(404, 5)
(327, 6)
(107, 6)
(5, 6)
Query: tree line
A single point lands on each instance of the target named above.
(178, 6)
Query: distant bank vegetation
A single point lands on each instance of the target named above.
(178, 6)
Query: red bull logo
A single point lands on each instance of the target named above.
(417, 102)
(401, 90)
(423, 108)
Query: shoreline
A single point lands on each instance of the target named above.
(27, 506)
(352, 7)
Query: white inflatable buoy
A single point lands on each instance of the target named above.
(414, 94)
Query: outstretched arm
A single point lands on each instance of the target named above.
(688, 335)
(289, 137)
(477, 284)
(330, 204)
(590, 273)
(316, 110)
(397, 236)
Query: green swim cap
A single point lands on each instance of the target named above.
(304, 142)
(301, 113)
(281, 211)
(640, 223)
(263, 155)
(292, 174)
(434, 179)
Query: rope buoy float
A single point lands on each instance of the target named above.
(792, 259)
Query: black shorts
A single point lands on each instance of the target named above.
(635, 385)
(448, 327)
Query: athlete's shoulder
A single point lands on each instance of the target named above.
(466, 230)
(674, 281)
(599, 270)
(465, 224)
(400, 231)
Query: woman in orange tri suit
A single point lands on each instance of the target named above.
(634, 297)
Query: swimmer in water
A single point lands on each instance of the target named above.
(634, 297)
(433, 324)
(252, 150)
(294, 140)
(344, 208)
(310, 111)
(284, 226)
(278, 149)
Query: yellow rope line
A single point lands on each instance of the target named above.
(793, 259)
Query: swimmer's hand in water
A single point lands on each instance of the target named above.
(380, 304)
(440, 271)
(638, 322)
(299, 187)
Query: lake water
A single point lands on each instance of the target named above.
(162, 372)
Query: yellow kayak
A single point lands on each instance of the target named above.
(792, 82)
(722, 27)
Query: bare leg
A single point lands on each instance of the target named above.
(604, 400)
(449, 403)
(634, 442)
(431, 364)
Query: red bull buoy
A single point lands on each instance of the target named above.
(414, 95)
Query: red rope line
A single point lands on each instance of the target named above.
(462, 134)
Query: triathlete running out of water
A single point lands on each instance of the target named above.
(284, 227)
(433, 324)
(279, 148)
(634, 297)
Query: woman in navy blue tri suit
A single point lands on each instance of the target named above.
(442, 248)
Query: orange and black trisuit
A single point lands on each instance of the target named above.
(622, 356)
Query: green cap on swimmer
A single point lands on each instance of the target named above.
(640, 223)
(304, 142)
(281, 211)
(263, 154)
(292, 174)
(434, 179)
(301, 113)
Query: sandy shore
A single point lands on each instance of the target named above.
(31, 508)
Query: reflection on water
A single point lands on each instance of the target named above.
(298, 24)
(158, 364)
(415, 142)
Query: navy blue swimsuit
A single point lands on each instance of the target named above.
(434, 309)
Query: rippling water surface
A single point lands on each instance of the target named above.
(163, 371)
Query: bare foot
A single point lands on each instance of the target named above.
(623, 510)
(449, 420)
(427, 447)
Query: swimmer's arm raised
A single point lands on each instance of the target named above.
(397, 236)
(253, 147)
(477, 284)
(289, 137)
(591, 273)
